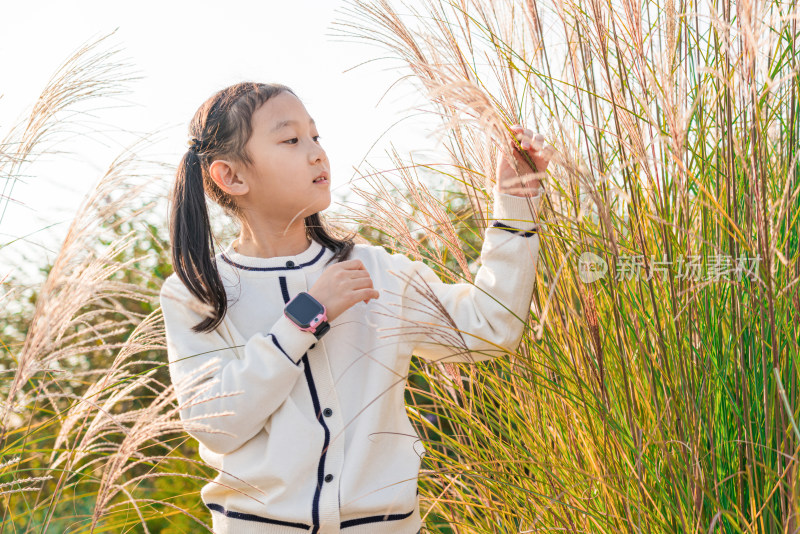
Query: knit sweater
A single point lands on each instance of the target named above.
(313, 435)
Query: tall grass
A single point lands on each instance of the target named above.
(89, 420)
(662, 397)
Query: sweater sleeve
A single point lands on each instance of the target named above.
(469, 322)
(247, 382)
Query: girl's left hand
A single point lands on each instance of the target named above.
(521, 180)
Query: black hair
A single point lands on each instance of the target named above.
(222, 126)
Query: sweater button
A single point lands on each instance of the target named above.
(328, 412)
(328, 477)
(290, 263)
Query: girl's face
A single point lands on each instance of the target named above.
(286, 157)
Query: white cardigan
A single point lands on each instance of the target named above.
(313, 435)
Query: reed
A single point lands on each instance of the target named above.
(89, 421)
(661, 397)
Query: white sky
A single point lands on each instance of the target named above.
(186, 51)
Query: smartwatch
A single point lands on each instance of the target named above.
(308, 314)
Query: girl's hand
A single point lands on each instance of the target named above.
(519, 178)
(342, 285)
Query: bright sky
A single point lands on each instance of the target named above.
(186, 51)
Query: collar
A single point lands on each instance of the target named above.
(311, 259)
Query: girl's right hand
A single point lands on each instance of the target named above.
(342, 285)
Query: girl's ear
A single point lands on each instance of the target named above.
(227, 178)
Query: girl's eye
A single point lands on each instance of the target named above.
(295, 139)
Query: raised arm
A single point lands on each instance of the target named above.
(465, 322)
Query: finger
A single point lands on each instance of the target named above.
(354, 264)
(519, 128)
(359, 283)
(370, 293)
(518, 131)
(537, 142)
(547, 153)
(530, 141)
(521, 140)
(539, 159)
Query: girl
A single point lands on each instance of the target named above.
(292, 393)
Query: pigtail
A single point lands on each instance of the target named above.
(192, 242)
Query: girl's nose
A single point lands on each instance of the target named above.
(319, 154)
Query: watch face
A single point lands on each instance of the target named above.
(303, 309)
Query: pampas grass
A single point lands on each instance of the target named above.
(78, 455)
(652, 400)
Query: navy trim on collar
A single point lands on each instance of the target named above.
(283, 268)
